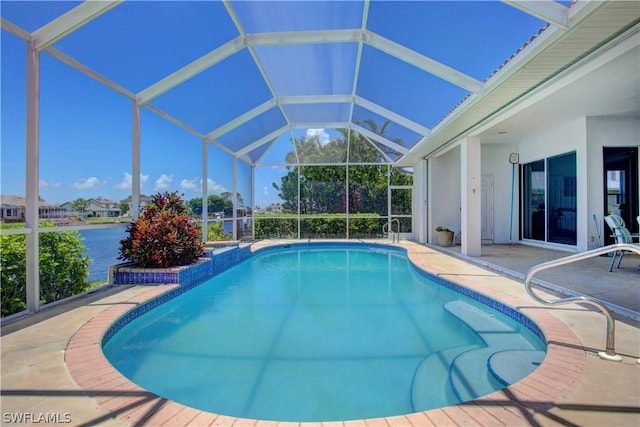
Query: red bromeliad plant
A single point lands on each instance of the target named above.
(163, 236)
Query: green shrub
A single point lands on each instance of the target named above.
(163, 236)
(321, 228)
(285, 226)
(366, 226)
(63, 268)
(215, 231)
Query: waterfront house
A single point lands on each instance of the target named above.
(13, 209)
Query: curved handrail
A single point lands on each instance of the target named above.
(390, 229)
(610, 352)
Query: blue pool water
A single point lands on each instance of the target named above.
(322, 335)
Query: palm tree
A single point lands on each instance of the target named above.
(382, 131)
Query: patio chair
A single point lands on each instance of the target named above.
(621, 234)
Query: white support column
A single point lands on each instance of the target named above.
(420, 201)
(234, 198)
(205, 190)
(347, 200)
(299, 221)
(135, 162)
(429, 210)
(389, 207)
(253, 201)
(33, 177)
(471, 196)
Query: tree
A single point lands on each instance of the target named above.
(228, 203)
(215, 203)
(195, 206)
(323, 188)
(80, 205)
(124, 207)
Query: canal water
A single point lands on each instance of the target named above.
(103, 247)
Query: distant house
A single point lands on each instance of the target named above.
(103, 208)
(98, 208)
(144, 201)
(13, 208)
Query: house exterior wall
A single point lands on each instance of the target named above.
(586, 136)
(564, 138)
(495, 162)
(444, 190)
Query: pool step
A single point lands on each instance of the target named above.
(474, 373)
(510, 366)
(431, 386)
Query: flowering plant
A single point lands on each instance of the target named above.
(163, 236)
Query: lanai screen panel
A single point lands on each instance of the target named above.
(217, 95)
(318, 113)
(215, 66)
(280, 152)
(405, 89)
(142, 42)
(473, 37)
(320, 146)
(278, 16)
(31, 15)
(264, 124)
(311, 69)
(385, 127)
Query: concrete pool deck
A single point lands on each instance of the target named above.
(52, 365)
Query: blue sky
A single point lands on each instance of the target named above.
(85, 128)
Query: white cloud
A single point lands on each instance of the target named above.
(127, 181)
(91, 182)
(44, 184)
(266, 190)
(195, 185)
(163, 183)
(214, 187)
(320, 133)
(189, 184)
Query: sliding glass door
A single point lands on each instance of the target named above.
(549, 200)
(561, 214)
(533, 201)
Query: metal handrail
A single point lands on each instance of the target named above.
(390, 230)
(610, 353)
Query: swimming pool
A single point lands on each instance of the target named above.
(322, 333)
